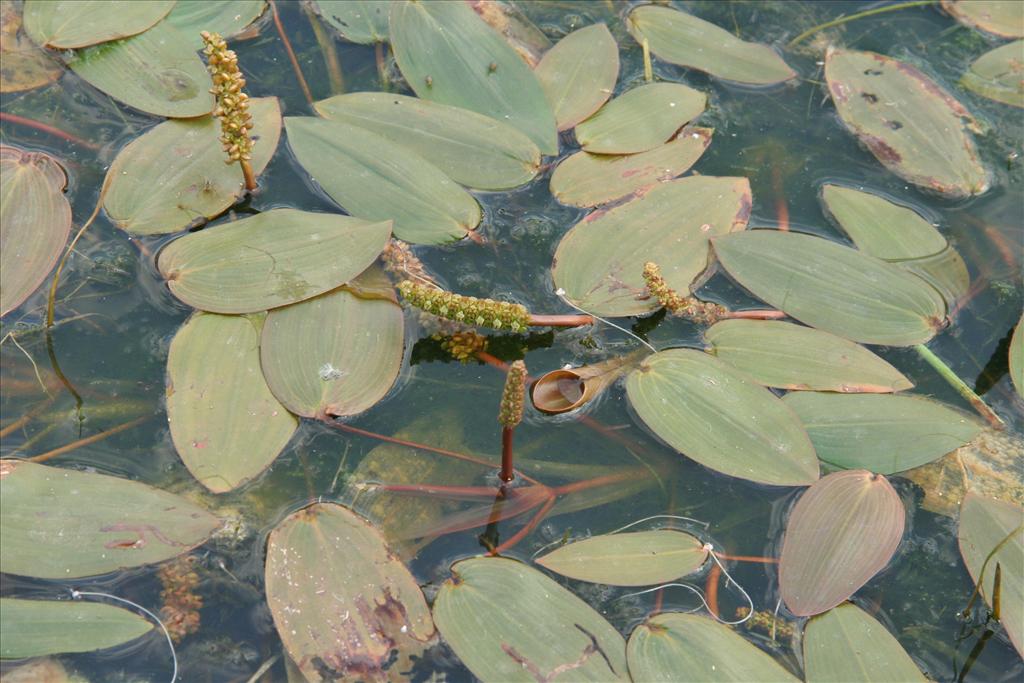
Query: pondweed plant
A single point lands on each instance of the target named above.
(510, 414)
(232, 104)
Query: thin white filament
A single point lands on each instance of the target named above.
(561, 294)
(170, 643)
(647, 519)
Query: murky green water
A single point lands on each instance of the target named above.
(117, 319)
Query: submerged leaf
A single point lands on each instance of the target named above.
(64, 24)
(842, 531)
(993, 530)
(721, 418)
(508, 622)
(883, 434)
(34, 628)
(35, 220)
(376, 179)
(449, 55)
(471, 149)
(360, 21)
(340, 601)
(226, 425)
(670, 647)
(832, 287)
(788, 356)
(89, 523)
(174, 176)
(847, 645)
(578, 74)
(273, 259)
(1003, 18)
(998, 74)
(586, 179)
(683, 39)
(911, 125)
(640, 119)
(23, 65)
(641, 558)
(670, 224)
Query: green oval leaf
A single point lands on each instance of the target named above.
(34, 628)
(883, 434)
(997, 74)
(1016, 360)
(993, 530)
(471, 149)
(683, 39)
(1001, 18)
(174, 177)
(226, 425)
(847, 645)
(844, 529)
(449, 55)
(508, 622)
(578, 74)
(272, 259)
(671, 223)
(336, 354)
(641, 558)
(640, 119)
(226, 17)
(911, 125)
(340, 600)
(157, 72)
(376, 179)
(89, 523)
(832, 287)
(35, 220)
(668, 644)
(359, 21)
(586, 179)
(64, 24)
(721, 418)
(788, 356)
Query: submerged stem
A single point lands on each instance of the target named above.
(858, 15)
(951, 377)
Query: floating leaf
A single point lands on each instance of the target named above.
(23, 65)
(157, 72)
(586, 179)
(64, 24)
(844, 529)
(508, 622)
(578, 74)
(273, 259)
(671, 223)
(89, 523)
(847, 645)
(1003, 18)
(833, 287)
(226, 425)
(336, 354)
(641, 558)
(993, 530)
(721, 418)
(35, 220)
(225, 17)
(998, 74)
(565, 389)
(898, 234)
(683, 39)
(883, 434)
(174, 176)
(666, 645)
(911, 125)
(1016, 360)
(340, 601)
(640, 119)
(374, 178)
(471, 149)
(359, 21)
(515, 27)
(788, 356)
(449, 55)
(34, 628)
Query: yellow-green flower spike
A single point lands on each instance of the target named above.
(232, 103)
(510, 413)
(691, 308)
(501, 315)
(463, 346)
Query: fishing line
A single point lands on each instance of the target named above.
(561, 294)
(647, 519)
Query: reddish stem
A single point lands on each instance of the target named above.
(50, 130)
(250, 177)
(577, 486)
(530, 526)
(758, 314)
(781, 209)
(507, 474)
(565, 320)
(711, 589)
(291, 54)
(747, 558)
(43, 457)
